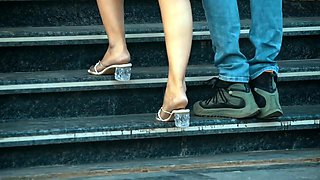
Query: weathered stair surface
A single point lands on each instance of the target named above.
(59, 141)
(38, 13)
(285, 164)
(78, 47)
(76, 94)
(140, 126)
(53, 113)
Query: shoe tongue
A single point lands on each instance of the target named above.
(233, 85)
(239, 87)
(265, 80)
(224, 84)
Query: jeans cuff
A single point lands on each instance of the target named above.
(240, 79)
(258, 73)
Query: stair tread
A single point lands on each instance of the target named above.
(55, 116)
(133, 126)
(136, 32)
(141, 77)
(139, 73)
(288, 164)
(130, 28)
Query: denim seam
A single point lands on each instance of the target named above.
(258, 73)
(241, 79)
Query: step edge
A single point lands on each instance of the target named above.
(138, 83)
(111, 135)
(243, 33)
(221, 163)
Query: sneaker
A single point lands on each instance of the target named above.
(229, 99)
(266, 95)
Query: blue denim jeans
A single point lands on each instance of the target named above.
(265, 34)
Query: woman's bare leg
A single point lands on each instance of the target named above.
(177, 23)
(112, 14)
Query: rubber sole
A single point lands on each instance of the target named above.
(251, 109)
(272, 108)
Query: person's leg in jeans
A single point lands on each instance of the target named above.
(266, 36)
(232, 96)
(224, 25)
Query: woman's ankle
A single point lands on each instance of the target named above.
(114, 56)
(175, 98)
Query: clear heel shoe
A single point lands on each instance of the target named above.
(122, 72)
(181, 117)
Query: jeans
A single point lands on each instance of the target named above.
(265, 34)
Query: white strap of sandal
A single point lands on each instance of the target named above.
(95, 67)
(167, 112)
(98, 64)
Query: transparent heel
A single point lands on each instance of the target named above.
(122, 73)
(182, 118)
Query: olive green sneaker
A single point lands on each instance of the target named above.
(265, 92)
(229, 99)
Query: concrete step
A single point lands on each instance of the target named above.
(139, 32)
(73, 48)
(284, 164)
(53, 113)
(113, 151)
(77, 94)
(46, 131)
(17, 13)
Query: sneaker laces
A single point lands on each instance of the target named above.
(217, 92)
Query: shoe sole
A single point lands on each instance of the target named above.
(110, 69)
(230, 115)
(248, 111)
(272, 109)
(273, 115)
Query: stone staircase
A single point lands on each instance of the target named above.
(53, 113)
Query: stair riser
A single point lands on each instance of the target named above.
(96, 152)
(85, 12)
(115, 99)
(146, 54)
(130, 101)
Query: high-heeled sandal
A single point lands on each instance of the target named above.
(122, 72)
(181, 117)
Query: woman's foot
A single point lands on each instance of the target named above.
(112, 57)
(175, 98)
